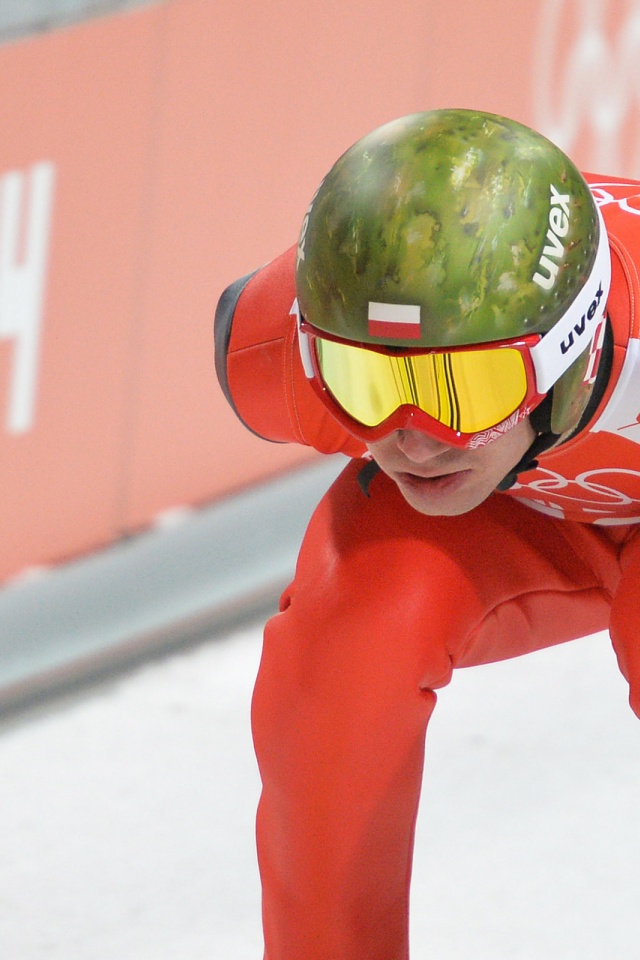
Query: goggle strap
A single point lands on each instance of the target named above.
(304, 343)
(574, 332)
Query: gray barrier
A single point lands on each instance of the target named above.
(20, 18)
(195, 573)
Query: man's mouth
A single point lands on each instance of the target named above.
(436, 481)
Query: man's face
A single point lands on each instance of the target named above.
(444, 481)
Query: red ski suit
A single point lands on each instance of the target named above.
(387, 602)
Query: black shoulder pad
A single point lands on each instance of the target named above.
(222, 330)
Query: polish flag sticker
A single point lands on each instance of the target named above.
(394, 321)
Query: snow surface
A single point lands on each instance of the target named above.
(127, 813)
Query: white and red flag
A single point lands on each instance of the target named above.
(394, 321)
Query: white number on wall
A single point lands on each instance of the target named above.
(25, 215)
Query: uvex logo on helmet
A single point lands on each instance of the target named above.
(580, 327)
(574, 332)
(553, 251)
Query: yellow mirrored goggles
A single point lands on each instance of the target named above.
(466, 390)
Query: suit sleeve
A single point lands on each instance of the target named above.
(624, 628)
(258, 363)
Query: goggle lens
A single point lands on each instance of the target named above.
(465, 390)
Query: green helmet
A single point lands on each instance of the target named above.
(479, 221)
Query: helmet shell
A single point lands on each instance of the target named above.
(454, 211)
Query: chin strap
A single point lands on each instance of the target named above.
(541, 417)
(529, 462)
(366, 475)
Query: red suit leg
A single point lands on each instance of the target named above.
(625, 620)
(384, 604)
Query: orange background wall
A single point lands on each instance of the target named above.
(181, 143)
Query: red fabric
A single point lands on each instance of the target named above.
(596, 477)
(385, 604)
(267, 381)
(593, 478)
(624, 625)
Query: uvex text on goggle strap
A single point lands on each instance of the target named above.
(466, 396)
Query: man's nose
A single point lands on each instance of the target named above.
(418, 446)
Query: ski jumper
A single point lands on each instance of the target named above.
(386, 602)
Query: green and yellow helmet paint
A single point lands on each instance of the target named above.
(480, 222)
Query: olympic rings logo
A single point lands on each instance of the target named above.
(586, 77)
(553, 487)
(605, 194)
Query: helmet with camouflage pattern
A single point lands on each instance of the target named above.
(479, 221)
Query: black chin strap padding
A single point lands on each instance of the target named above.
(366, 475)
(529, 462)
(540, 420)
(540, 417)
